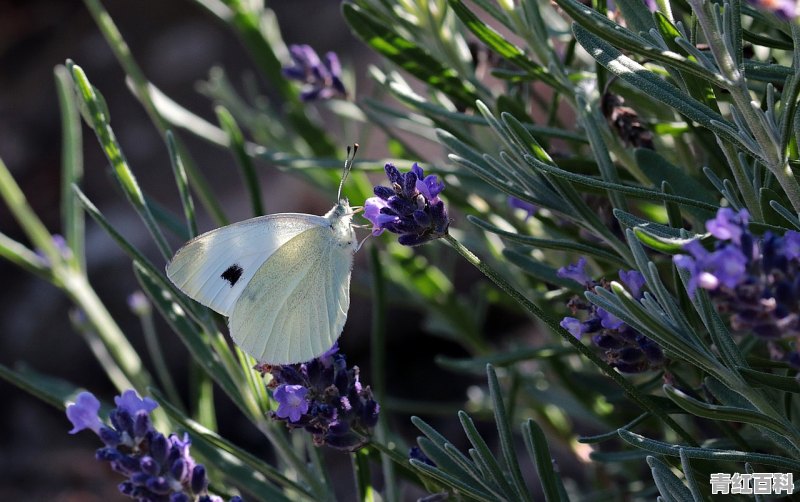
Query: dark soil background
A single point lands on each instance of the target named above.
(176, 43)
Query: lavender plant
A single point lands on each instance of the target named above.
(656, 142)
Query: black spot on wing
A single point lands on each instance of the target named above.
(232, 274)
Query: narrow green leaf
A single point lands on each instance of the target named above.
(659, 170)
(638, 192)
(787, 215)
(725, 413)
(408, 55)
(639, 77)
(599, 438)
(53, 391)
(237, 145)
(459, 484)
(72, 217)
(539, 243)
(539, 452)
(496, 474)
(655, 230)
(608, 170)
(694, 488)
(478, 364)
(590, 20)
(504, 433)
(500, 44)
(179, 171)
(760, 378)
(670, 487)
(99, 118)
(24, 258)
(712, 454)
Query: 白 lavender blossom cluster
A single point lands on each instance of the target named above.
(756, 281)
(326, 398)
(158, 468)
(411, 207)
(623, 347)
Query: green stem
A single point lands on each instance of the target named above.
(157, 356)
(141, 86)
(378, 359)
(643, 401)
(78, 289)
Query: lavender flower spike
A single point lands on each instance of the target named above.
(157, 468)
(410, 208)
(326, 398)
(322, 79)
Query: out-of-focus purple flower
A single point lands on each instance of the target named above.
(728, 224)
(323, 80)
(575, 271)
(529, 208)
(60, 243)
(573, 325)
(83, 413)
(726, 266)
(157, 468)
(755, 281)
(410, 208)
(139, 304)
(291, 401)
(622, 346)
(786, 9)
(634, 280)
(326, 398)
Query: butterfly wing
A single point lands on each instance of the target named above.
(215, 267)
(295, 306)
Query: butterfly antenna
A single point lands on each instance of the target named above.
(348, 165)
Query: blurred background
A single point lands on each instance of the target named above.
(176, 43)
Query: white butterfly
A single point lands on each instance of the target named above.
(283, 280)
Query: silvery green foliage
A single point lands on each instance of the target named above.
(619, 129)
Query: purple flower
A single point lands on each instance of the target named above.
(323, 80)
(372, 212)
(529, 208)
(326, 398)
(410, 208)
(622, 346)
(634, 280)
(83, 413)
(608, 320)
(574, 326)
(786, 9)
(728, 225)
(791, 245)
(292, 402)
(576, 272)
(429, 186)
(139, 304)
(132, 403)
(728, 265)
(157, 468)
